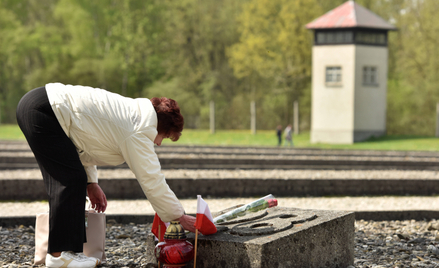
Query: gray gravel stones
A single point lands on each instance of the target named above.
(377, 244)
(122, 173)
(125, 246)
(395, 244)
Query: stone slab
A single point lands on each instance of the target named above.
(315, 238)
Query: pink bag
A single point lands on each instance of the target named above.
(95, 229)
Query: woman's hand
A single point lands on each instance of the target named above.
(97, 197)
(188, 223)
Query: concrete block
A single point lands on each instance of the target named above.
(280, 237)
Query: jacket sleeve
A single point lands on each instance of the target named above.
(92, 174)
(138, 152)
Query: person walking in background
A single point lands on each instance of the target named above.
(279, 135)
(71, 130)
(288, 135)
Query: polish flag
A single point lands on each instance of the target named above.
(155, 227)
(204, 223)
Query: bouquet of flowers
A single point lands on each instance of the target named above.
(260, 204)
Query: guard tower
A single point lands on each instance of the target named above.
(349, 75)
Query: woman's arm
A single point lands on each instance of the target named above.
(94, 191)
(97, 197)
(138, 152)
(187, 222)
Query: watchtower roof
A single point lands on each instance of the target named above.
(350, 15)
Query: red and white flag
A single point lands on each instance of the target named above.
(155, 227)
(204, 223)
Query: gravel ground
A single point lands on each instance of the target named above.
(250, 174)
(377, 244)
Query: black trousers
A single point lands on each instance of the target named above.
(63, 173)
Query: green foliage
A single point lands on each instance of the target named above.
(275, 46)
(195, 51)
(415, 48)
(197, 35)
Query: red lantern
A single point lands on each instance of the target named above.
(175, 251)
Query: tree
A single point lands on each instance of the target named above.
(22, 49)
(275, 46)
(197, 35)
(413, 90)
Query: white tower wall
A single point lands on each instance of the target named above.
(351, 110)
(332, 107)
(370, 100)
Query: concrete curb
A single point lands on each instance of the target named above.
(252, 163)
(33, 189)
(22, 146)
(148, 218)
(30, 220)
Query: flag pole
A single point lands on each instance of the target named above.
(158, 262)
(196, 240)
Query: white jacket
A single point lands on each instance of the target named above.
(109, 129)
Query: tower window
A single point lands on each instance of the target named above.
(333, 76)
(334, 37)
(370, 76)
(372, 38)
(351, 36)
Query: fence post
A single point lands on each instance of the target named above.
(212, 117)
(437, 119)
(253, 117)
(296, 117)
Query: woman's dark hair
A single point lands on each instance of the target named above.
(170, 121)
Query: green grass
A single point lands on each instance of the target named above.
(400, 143)
(268, 138)
(11, 132)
